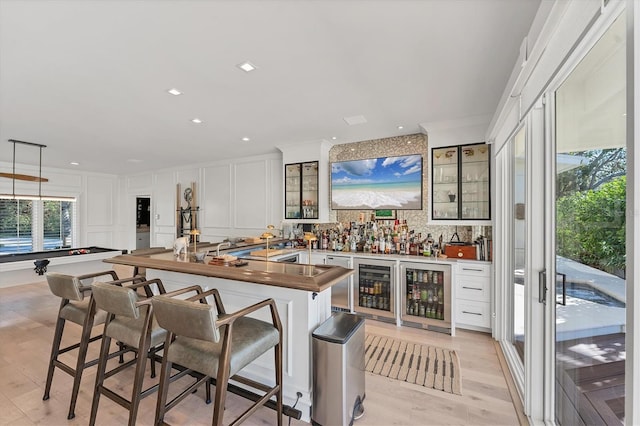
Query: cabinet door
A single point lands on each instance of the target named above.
(292, 198)
(474, 181)
(310, 190)
(444, 183)
(460, 183)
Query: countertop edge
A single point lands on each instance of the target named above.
(304, 282)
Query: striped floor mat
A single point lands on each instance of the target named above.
(424, 365)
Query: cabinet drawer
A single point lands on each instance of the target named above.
(473, 313)
(473, 288)
(475, 269)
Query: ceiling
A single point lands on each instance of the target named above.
(89, 79)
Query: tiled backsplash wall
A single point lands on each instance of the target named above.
(416, 219)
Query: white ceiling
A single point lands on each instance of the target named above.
(89, 78)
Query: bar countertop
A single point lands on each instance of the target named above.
(315, 278)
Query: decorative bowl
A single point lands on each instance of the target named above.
(200, 256)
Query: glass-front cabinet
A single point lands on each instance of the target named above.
(460, 183)
(301, 190)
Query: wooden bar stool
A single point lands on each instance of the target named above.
(76, 307)
(206, 340)
(130, 321)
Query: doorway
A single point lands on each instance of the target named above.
(143, 222)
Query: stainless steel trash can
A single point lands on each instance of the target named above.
(338, 370)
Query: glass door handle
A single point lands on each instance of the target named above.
(542, 286)
(564, 289)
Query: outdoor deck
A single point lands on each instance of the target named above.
(591, 379)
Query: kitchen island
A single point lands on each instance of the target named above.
(302, 294)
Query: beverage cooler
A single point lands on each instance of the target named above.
(374, 288)
(426, 295)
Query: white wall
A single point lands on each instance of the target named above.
(96, 195)
(237, 198)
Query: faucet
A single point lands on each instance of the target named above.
(228, 243)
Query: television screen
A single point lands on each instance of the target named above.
(377, 183)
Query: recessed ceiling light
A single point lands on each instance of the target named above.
(353, 149)
(246, 66)
(400, 127)
(74, 163)
(333, 138)
(174, 92)
(246, 139)
(196, 120)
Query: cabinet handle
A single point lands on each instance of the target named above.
(472, 313)
(472, 288)
(472, 269)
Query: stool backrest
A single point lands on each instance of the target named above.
(116, 300)
(65, 286)
(186, 318)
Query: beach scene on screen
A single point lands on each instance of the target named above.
(377, 183)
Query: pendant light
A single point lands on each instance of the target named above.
(30, 178)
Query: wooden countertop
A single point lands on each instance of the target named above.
(290, 275)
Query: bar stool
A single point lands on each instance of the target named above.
(78, 309)
(206, 340)
(130, 321)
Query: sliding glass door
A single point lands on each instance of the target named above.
(589, 232)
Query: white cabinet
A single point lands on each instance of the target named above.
(473, 296)
(316, 258)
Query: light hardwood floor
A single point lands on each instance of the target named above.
(27, 315)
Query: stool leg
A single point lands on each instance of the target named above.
(82, 356)
(102, 366)
(55, 350)
(222, 381)
(152, 356)
(163, 388)
(278, 366)
(121, 357)
(137, 381)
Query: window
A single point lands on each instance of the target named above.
(15, 225)
(56, 224)
(21, 231)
